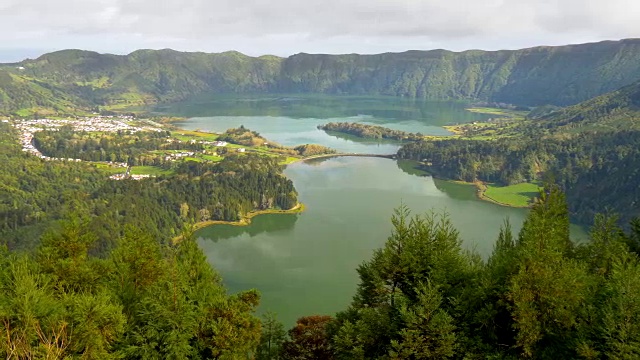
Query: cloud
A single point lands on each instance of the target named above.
(279, 26)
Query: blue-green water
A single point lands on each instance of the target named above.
(306, 264)
(293, 121)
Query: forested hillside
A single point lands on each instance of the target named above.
(561, 75)
(537, 76)
(21, 96)
(538, 296)
(36, 193)
(618, 110)
(597, 171)
(592, 150)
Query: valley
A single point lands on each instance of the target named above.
(476, 203)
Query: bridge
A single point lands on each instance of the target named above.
(391, 156)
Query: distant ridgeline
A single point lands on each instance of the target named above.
(64, 81)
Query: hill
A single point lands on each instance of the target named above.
(563, 75)
(591, 149)
(618, 110)
(26, 96)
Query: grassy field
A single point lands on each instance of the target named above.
(186, 135)
(505, 124)
(289, 160)
(212, 157)
(150, 170)
(109, 169)
(518, 195)
(497, 111)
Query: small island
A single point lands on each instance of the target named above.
(370, 131)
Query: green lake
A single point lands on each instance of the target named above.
(291, 121)
(306, 264)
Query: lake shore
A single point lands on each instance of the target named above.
(481, 190)
(245, 220)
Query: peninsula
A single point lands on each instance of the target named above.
(366, 131)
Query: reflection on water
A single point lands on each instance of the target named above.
(364, 141)
(411, 167)
(306, 264)
(377, 110)
(293, 121)
(282, 223)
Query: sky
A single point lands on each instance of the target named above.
(29, 28)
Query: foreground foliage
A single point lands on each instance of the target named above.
(142, 301)
(537, 296)
(421, 296)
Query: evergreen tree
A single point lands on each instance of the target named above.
(421, 271)
(272, 338)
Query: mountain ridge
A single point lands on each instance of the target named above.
(557, 75)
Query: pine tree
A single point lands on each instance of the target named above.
(420, 270)
(272, 338)
(549, 288)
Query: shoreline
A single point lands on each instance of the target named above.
(455, 130)
(245, 220)
(481, 189)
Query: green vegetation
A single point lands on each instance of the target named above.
(538, 296)
(109, 169)
(313, 149)
(142, 300)
(149, 170)
(74, 81)
(508, 123)
(584, 164)
(37, 193)
(370, 131)
(618, 110)
(246, 219)
(420, 296)
(140, 148)
(186, 135)
(498, 111)
(99, 276)
(518, 195)
(590, 148)
(245, 137)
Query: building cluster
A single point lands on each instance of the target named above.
(214, 143)
(180, 155)
(98, 123)
(128, 176)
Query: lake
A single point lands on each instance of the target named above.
(306, 263)
(291, 121)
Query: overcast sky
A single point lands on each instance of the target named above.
(284, 27)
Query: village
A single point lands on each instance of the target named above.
(89, 124)
(111, 124)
